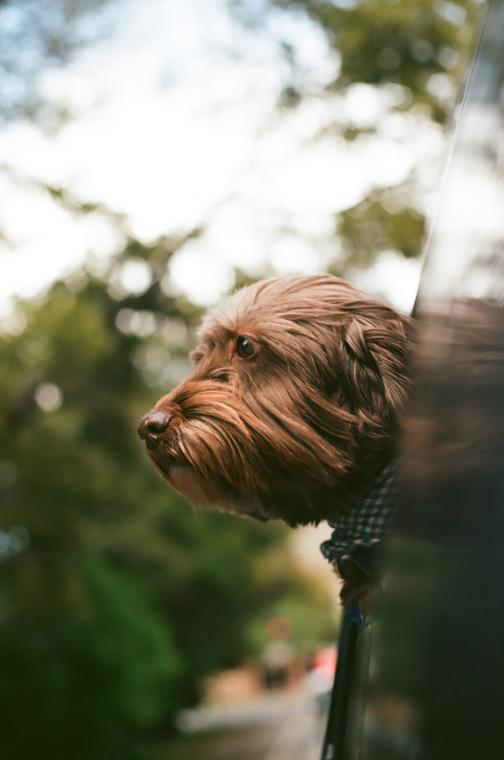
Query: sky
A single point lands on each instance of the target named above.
(177, 124)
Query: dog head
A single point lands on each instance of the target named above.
(291, 406)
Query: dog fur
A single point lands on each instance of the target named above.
(291, 408)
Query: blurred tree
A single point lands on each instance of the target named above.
(115, 598)
(36, 35)
(408, 45)
(84, 679)
(414, 54)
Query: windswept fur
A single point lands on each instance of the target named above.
(297, 429)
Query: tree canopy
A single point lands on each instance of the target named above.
(415, 55)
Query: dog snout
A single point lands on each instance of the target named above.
(153, 424)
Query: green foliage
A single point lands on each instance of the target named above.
(380, 222)
(116, 598)
(85, 680)
(131, 641)
(37, 34)
(404, 43)
(415, 54)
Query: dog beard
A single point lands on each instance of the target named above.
(291, 407)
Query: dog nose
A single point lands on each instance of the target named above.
(153, 424)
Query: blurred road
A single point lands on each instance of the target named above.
(279, 727)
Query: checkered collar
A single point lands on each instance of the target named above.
(367, 522)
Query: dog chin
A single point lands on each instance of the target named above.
(204, 492)
(200, 492)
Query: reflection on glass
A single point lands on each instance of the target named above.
(437, 662)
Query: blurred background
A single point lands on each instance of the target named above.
(154, 155)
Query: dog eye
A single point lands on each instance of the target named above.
(244, 347)
(221, 377)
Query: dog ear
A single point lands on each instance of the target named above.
(373, 363)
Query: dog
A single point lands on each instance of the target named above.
(290, 411)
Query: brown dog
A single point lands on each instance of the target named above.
(290, 410)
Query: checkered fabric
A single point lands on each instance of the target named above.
(365, 524)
